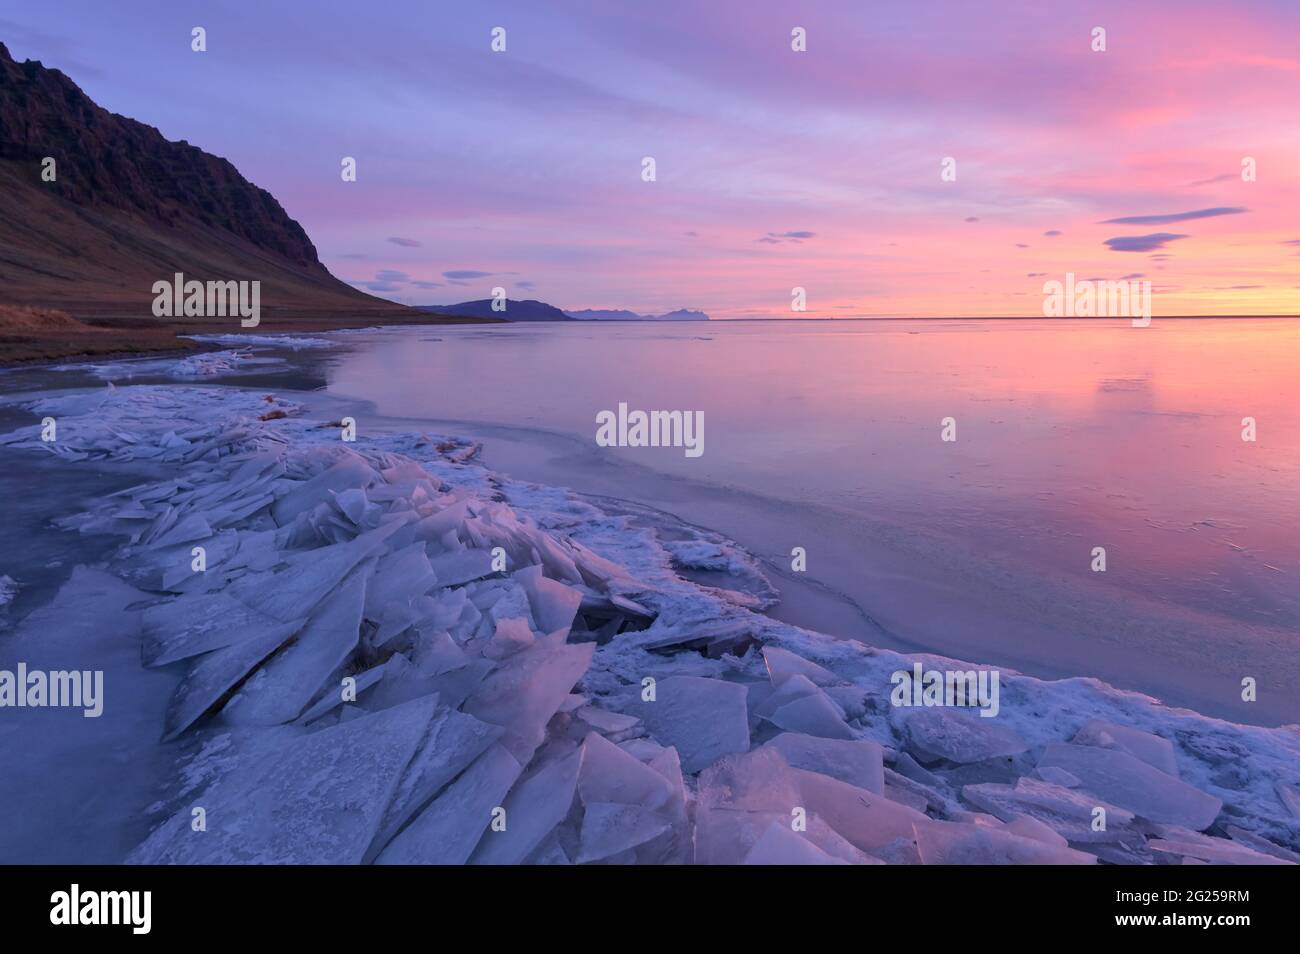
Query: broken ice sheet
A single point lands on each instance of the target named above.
(533, 809)
(553, 604)
(1069, 812)
(962, 843)
(958, 736)
(865, 820)
(352, 471)
(611, 775)
(316, 798)
(760, 780)
(211, 676)
(527, 689)
(400, 576)
(859, 763)
(782, 664)
(437, 653)
(446, 832)
(283, 686)
(793, 687)
(510, 636)
(1289, 796)
(740, 796)
(612, 828)
(779, 845)
(461, 566)
(1220, 851)
(703, 719)
(726, 837)
(452, 742)
(311, 576)
(1155, 751)
(1119, 778)
(813, 714)
(190, 625)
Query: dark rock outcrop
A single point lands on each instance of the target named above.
(128, 208)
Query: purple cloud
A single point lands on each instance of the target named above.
(1175, 216)
(1142, 243)
(1052, 233)
(458, 273)
(405, 242)
(776, 238)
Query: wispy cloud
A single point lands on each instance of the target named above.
(463, 273)
(1213, 179)
(778, 238)
(1175, 216)
(405, 242)
(1142, 243)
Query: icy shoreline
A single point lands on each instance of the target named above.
(483, 687)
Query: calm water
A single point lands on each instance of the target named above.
(1070, 435)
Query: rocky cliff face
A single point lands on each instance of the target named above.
(113, 162)
(128, 208)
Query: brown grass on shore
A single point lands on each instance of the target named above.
(46, 334)
(17, 319)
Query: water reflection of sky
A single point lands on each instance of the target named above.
(1071, 434)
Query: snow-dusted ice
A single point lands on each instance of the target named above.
(394, 655)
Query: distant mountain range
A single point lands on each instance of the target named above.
(622, 314)
(516, 310)
(532, 310)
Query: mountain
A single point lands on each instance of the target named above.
(128, 208)
(516, 310)
(530, 310)
(622, 314)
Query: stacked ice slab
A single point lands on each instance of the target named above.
(382, 659)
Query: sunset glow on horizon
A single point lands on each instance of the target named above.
(774, 168)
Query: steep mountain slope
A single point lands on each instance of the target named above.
(128, 208)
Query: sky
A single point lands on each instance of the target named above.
(774, 168)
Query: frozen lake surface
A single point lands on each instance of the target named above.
(1071, 435)
(521, 684)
